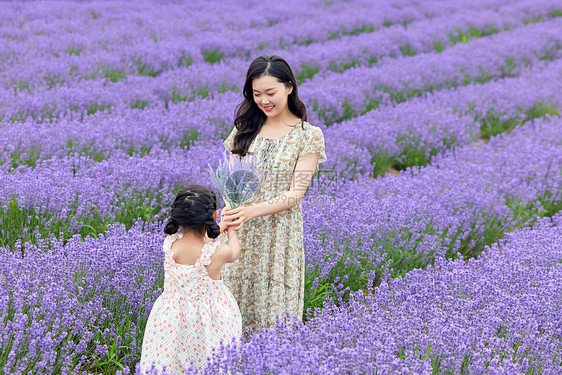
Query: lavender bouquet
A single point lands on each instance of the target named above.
(238, 179)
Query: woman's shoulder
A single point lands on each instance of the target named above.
(308, 129)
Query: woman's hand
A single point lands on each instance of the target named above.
(238, 216)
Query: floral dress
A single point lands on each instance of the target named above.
(192, 315)
(268, 278)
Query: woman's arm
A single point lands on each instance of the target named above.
(300, 181)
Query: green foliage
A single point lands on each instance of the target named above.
(139, 104)
(307, 71)
(414, 154)
(95, 107)
(365, 28)
(21, 86)
(53, 80)
(22, 223)
(225, 87)
(27, 157)
(314, 298)
(371, 104)
(203, 91)
(146, 70)
(351, 272)
(548, 54)
(494, 122)
(381, 162)
(178, 96)
(74, 147)
(112, 74)
(333, 35)
(407, 22)
(138, 151)
(212, 56)
(343, 66)
(184, 95)
(541, 109)
(407, 50)
(184, 61)
(188, 137)
(532, 20)
(73, 51)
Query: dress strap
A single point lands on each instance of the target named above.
(168, 241)
(207, 251)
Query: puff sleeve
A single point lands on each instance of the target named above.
(313, 142)
(229, 141)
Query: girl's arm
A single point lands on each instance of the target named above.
(228, 253)
(304, 170)
(233, 243)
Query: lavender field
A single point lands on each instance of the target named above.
(433, 233)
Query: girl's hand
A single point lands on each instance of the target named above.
(223, 225)
(239, 216)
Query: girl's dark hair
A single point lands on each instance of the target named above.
(193, 208)
(249, 118)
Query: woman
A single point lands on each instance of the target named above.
(268, 278)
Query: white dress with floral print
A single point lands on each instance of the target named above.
(192, 315)
(268, 278)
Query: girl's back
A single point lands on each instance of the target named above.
(193, 314)
(187, 251)
(196, 311)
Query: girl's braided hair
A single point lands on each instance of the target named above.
(193, 208)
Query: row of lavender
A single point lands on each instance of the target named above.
(86, 199)
(198, 25)
(411, 133)
(65, 183)
(83, 304)
(499, 314)
(78, 50)
(466, 199)
(333, 96)
(98, 135)
(501, 102)
(81, 194)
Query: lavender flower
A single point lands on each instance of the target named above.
(409, 87)
(236, 178)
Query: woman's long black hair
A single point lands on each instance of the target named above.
(249, 117)
(194, 208)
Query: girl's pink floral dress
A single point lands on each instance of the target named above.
(192, 315)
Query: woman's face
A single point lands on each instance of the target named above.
(271, 95)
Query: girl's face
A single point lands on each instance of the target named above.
(271, 96)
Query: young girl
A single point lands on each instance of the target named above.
(268, 279)
(196, 310)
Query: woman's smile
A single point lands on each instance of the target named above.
(271, 95)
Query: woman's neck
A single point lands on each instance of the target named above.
(281, 122)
